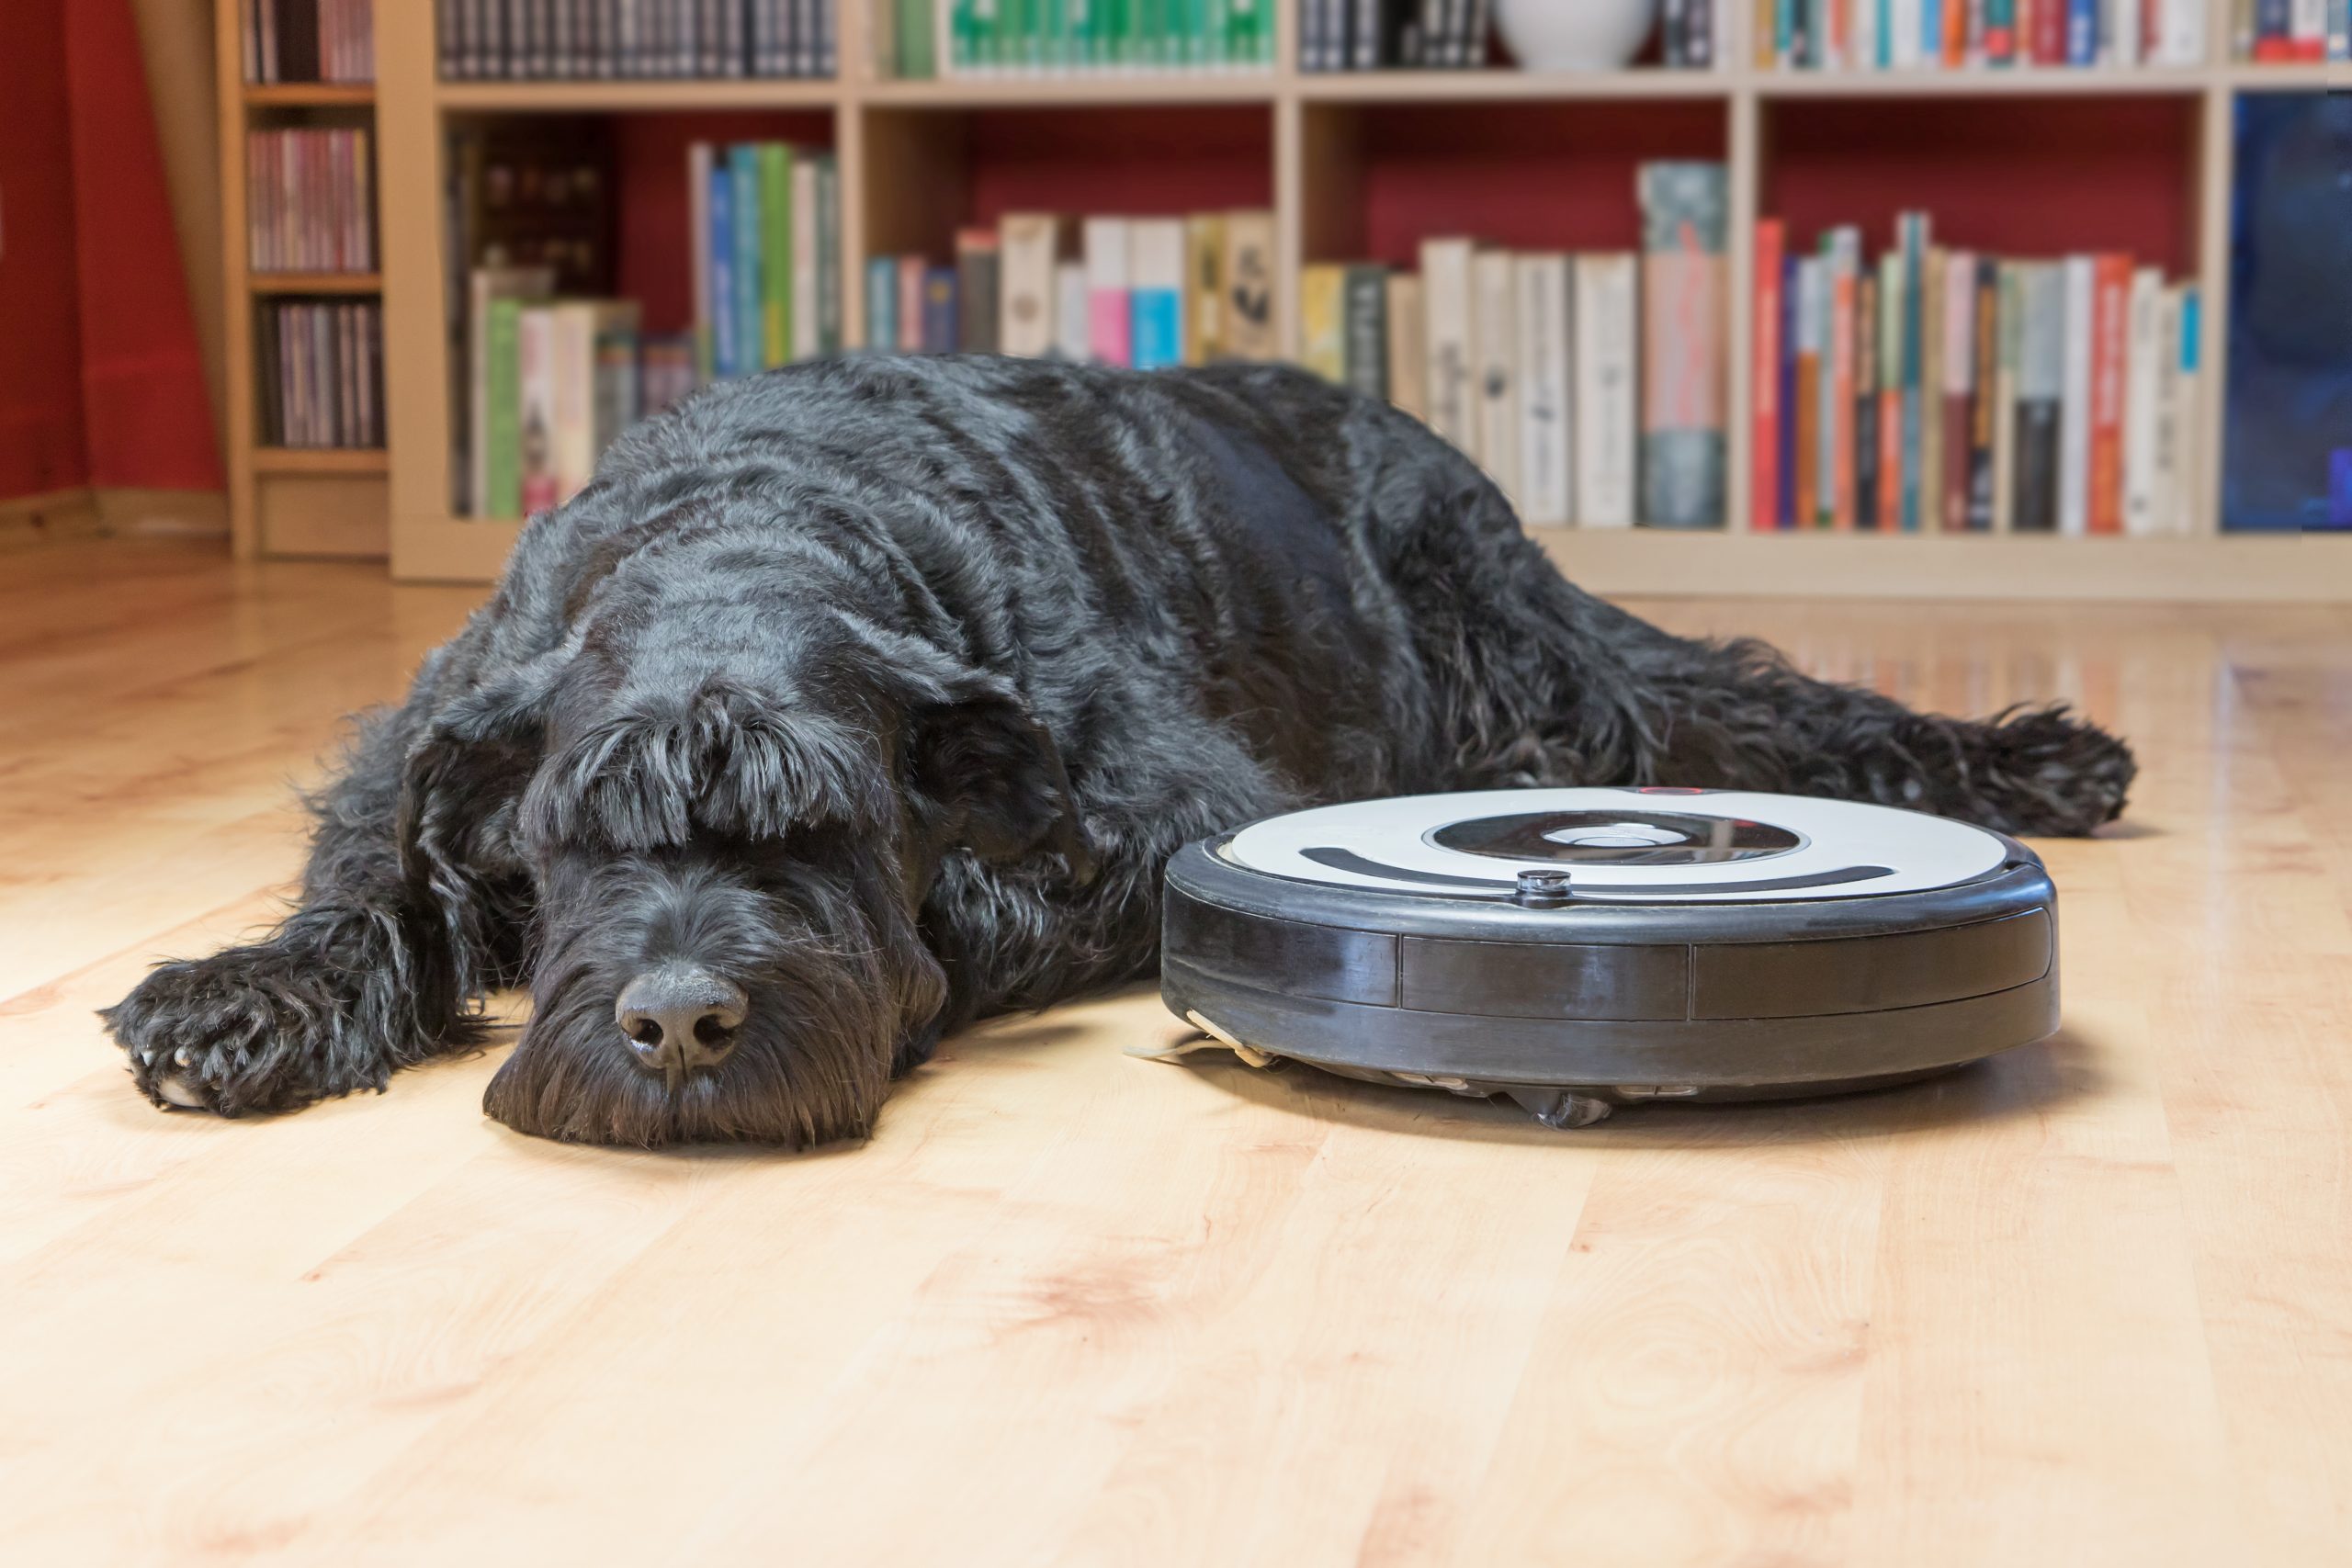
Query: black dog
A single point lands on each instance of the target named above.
(857, 700)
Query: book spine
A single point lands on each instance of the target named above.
(1407, 343)
(1811, 330)
(829, 253)
(2010, 312)
(1108, 340)
(726, 354)
(913, 278)
(1030, 248)
(2074, 399)
(748, 230)
(1764, 486)
(1983, 369)
(1250, 283)
(1685, 225)
(1205, 289)
(882, 304)
(2142, 357)
(2190, 489)
(1891, 286)
(775, 253)
(1156, 292)
(978, 290)
(700, 158)
(1322, 310)
(1447, 309)
(1607, 413)
(1366, 329)
(1959, 385)
(1915, 274)
(2112, 286)
(2042, 354)
(1494, 363)
(1541, 309)
(807, 336)
(1073, 326)
(1865, 405)
(940, 328)
(1838, 434)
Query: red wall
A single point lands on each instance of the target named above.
(41, 445)
(101, 381)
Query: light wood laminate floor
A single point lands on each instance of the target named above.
(2088, 1305)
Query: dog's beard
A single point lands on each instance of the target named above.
(831, 973)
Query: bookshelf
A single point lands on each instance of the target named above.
(285, 500)
(1332, 155)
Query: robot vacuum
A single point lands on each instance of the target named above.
(1577, 950)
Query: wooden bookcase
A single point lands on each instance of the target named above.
(285, 500)
(1332, 155)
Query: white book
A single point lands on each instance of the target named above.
(2074, 401)
(2181, 32)
(1446, 315)
(2119, 33)
(807, 336)
(2008, 328)
(575, 373)
(2166, 433)
(1865, 36)
(1909, 23)
(2144, 354)
(2307, 21)
(699, 164)
(1546, 452)
(1109, 327)
(1495, 367)
(1608, 297)
(1070, 312)
(1032, 250)
(1156, 291)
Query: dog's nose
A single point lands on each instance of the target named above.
(679, 1016)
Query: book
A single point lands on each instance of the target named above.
(1322, 319)
(2007, 357)
(2074, 399)
(535, 403)
(1933, 334)
(1893, 291)
(1494, 368)
(882, 303)
(1032, 250)
(807, 329)
(1958, 351)
(1364, 329)
(1203, 287)
(1865, 404)
(1685, 222)
(1913, 230)
(776, 249)
(2144, 350)
(1073, 313)
(1109, 325)
(913, 273)
(2112, 288)
(1542, 307)
(1606, 412)
(1247, 319)
(726, 352)
(591, 356)
(2044, 351)
(1842, 248)
(699, 158)
(1156, 292)
(1985, 296)
(748, 227)
(1764, 394)
(1407, 338)
(1446, 306)
(978, 263)
(827, 245)
(1812, 330)
(940, 328)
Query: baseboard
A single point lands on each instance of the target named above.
(29, 522)
(163, 513)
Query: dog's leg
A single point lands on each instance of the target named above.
(369, 973)
(1545, 684)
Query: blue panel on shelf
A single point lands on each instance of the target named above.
(2286, 452)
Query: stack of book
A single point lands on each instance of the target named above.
(2281, 32)
(553, 381)
(1145, 292)
(916, 38)
(1590, 387)
(307, 204)
(1945, 390)
(766, 237)
(320, 374)
(306, 40)
(1955, 35)
(1393, 35)
(607, 40)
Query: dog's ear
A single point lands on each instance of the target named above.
(462, 779)
(993, 782)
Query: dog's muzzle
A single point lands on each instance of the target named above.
(680, 1018)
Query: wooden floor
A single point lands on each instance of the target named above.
(2089, 1304)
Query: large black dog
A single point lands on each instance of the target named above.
(856, 701)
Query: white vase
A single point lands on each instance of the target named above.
(1575, 35)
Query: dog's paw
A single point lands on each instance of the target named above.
(241, 1031)
(2062, 776)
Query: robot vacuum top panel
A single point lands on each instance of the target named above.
(1621, 845)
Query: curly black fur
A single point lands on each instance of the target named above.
(885, 688)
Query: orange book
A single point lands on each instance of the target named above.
(1840, 369)
(2110, 297)
(1956, 34)
(1812, 286)
(1764, 464)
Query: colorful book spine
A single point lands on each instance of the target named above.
(1685, 227)
(1156, 293)
(1110, 325)
(1764, 397)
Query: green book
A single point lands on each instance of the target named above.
(750, 335)
(829, 253)
(775, 253)
(918, 44)
(503, 403)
